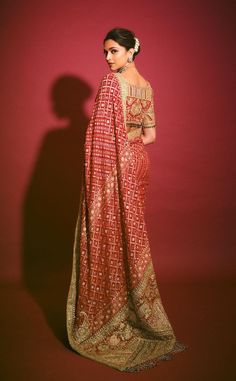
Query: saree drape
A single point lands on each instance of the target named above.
(114, 310)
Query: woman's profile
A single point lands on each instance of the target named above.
(115, 313)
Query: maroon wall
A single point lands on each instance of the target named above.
(52, 61)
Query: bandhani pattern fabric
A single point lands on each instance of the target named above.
(114, 310)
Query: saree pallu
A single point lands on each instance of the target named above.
(114, 310)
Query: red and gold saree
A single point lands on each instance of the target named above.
(114, 311)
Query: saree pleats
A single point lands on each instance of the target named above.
(114, 310)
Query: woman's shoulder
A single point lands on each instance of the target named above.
(142, 82)
(109, 78)
(108, 84)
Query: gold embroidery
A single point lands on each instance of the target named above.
(138, 106)
(140, 331)
(134, 133)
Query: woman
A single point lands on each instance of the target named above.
(114, 311)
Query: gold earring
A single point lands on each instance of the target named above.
(130, 59)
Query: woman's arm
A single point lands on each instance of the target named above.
(149, 124)
(149, 135)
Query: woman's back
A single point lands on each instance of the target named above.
(135, 79)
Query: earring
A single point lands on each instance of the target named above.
(130, 59)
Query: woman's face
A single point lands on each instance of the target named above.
(115, 54)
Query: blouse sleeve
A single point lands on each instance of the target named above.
(149, 120)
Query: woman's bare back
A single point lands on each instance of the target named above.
(134, 78)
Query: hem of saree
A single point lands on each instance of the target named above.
(146, 365)
(178, 347)
(143, 345)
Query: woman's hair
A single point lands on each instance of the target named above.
(123, 37)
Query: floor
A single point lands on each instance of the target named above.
(34, 344)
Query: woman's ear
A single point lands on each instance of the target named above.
(131, 50)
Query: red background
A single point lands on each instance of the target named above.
(187, 55)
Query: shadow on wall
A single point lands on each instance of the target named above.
(51, 204)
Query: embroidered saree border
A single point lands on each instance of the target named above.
(122, 342)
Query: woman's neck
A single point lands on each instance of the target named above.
(128, 67)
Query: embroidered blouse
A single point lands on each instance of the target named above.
(139, 111)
